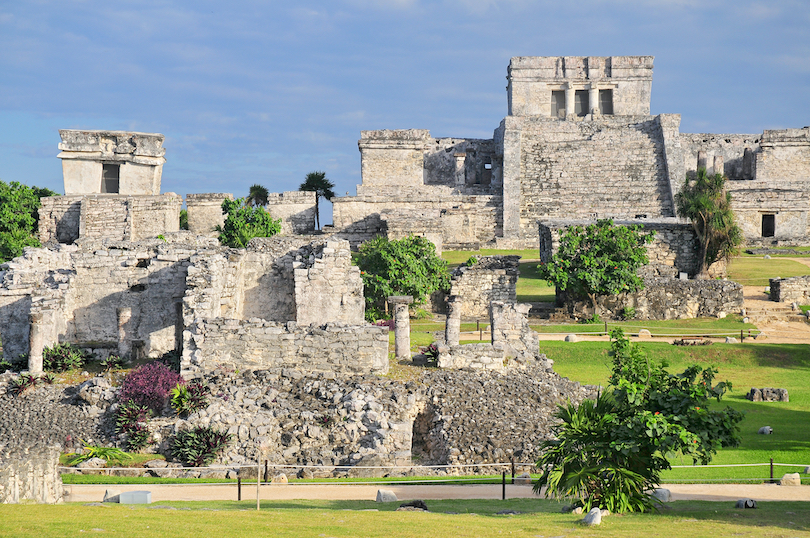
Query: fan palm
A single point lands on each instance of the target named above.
(322, 187)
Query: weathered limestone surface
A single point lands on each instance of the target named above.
(64, 219)
(665, 298)
(296, 209)
(790, 290)
(490, 278)
(205, 212)
(30, 475)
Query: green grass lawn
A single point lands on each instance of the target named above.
(454, 518)
(756, 271)
(457, 257)
(677, 327)
(745, 365)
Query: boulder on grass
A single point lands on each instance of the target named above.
(386, 496)
(594, 517)
(791, 479)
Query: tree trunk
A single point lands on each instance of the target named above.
(595, 306)
(317, 215)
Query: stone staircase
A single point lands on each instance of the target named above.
(774, 312)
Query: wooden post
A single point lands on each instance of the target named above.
(239, 488)
(258, 483)
(503, 485)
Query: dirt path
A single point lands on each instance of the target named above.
(186, 492)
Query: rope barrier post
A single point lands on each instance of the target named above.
(266, 472)
(512, 459)
(606, 332)
(742, 338)
(239, 488)
(258, 482)
(772, 471)
(503, 485)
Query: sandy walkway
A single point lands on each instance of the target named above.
(185, 492)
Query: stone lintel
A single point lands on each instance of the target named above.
(400, 299)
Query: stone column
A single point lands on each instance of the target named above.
(402, 325)
(593, 100)
(570, 97)
(124, 338)
(461, 176)
(452, 328)
(718, 164)
(702, 160)
(36, 343)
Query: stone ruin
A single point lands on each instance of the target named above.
(578, 142)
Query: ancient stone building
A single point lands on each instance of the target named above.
(578, 142)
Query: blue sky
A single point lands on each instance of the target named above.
(265, 91)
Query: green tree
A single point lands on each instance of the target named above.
(184, 219)
(257, 196)
(19, 217)
(244, 222)
(705, 202)
(322, 187)
(406, 266)
(598, 259)
(610, 451)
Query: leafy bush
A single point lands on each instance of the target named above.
(406, 266)
(598, 259)
(149, 385)
(244, 222)
(187, 399)
(432, 353)
(627, 313)
(19, 218)
(63, 357)
(22, 383)
(472, 260)
(611, 451)
(112, 362)
(108, 453)
(199, 446)
(130, 418)
(184, 219)
(593, 319)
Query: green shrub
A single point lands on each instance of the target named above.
(130, 419)
(112, 362)
(244, 222)
(199, 446)
(63, 357)
(108, 453)
(611, 451)
(406, 266)
(187, 399)
(472, 260)
(627, 313)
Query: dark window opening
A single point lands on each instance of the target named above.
(768, 225)
(606, 102)
(143, 264)
(581, 105)
(558, 104)
(486, 177)
(109, 178)
(137, 288)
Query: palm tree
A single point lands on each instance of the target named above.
(257, 196)
(322, 187)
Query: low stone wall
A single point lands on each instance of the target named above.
(491, 278)
(30, 475)
(258, 344)
(64, 219)
(205, 212)
(296, 209)
(790, 290)
(665, 298)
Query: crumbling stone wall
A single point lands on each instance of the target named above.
(790, 290)
(296, 209)
(788, 202)
(30, 475)
(665, 298)
(205, 212)
(737, 151)
(490, 278)
(64, 219)
(785, 155)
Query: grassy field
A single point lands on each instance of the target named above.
(756, 271)
(536, 518)
(745, 365)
